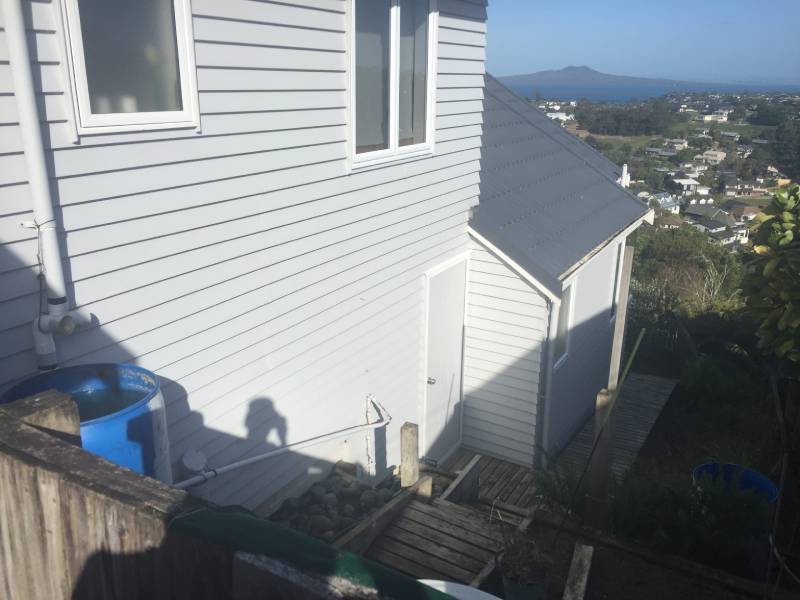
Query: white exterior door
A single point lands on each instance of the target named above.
(442, 426)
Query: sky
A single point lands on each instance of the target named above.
(711, 41)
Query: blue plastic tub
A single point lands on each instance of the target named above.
(746, 479)
(121, 410)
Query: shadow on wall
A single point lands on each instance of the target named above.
(500, 404)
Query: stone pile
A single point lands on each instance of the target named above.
(333, 505)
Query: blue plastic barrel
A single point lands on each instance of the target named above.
(121, 410)
(746, 479)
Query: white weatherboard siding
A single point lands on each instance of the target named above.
(584, 372)
(503, 351)
(243, 263)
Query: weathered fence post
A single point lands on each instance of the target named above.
(409, 454)
(596, 514)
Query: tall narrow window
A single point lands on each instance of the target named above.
(562, 330)
(392, 66)
(373, 57)
(617, 273)
(413, 71)
(131, 63)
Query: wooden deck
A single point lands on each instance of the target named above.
(441, 540)
(640, 402)
(500, 480)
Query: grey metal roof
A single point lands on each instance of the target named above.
(547, 199)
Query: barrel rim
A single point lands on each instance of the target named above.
(130, 408)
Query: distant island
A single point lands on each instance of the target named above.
(575, 83)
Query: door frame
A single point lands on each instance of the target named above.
(463, 257)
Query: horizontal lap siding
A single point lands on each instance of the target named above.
(243, 263)
(506, 329)
(584, 372)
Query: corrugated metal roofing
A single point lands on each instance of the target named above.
(547, 199)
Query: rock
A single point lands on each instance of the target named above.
(347, 510)
(347, 522)
(317, 492)
(336, 522)
(437, 489)
(368, 499)
(330, 499)
(320, 523)
(316, 509)
(350, 493)
(284, 523)
(328, 536)
(384, 495)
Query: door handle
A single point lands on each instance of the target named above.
(431, 381)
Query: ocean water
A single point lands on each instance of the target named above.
(626, 93)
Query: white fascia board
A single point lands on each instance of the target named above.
(514, 266)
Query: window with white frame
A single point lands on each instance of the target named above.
(131, 63)
(564, 324)
(393, 61)
(616, 282)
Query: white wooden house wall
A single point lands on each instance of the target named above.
(584, 372)
(505, 358)
(506, 329)
(245, 262)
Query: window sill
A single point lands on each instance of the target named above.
(367, 163)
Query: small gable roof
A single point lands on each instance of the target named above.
(547, 199)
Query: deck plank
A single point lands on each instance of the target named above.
(639, 404)
(440, 551)
(448, 541)
(423, 559)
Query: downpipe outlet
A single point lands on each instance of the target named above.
(47, 326)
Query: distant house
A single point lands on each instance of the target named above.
(666, 202)
(708, 217)
(560, 116)
(759, 141)
(732, 135)
(668, 221)
(703, 190)
(660, 152)
(740, 211)
(688, 185)
(718, 116)
(677, 143)
(713, 157)
(543, 282)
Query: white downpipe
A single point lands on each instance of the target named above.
(386, 418)
(59, 318)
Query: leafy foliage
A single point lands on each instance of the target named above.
(649, 118)
(681, 271)
(709, 522)
(787, 148)
(772, 285)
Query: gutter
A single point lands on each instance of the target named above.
(59, 318)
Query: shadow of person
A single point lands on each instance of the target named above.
(261, 420)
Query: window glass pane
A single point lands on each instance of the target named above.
(563, 323)
(372, 74)
(413, 70)
(131, 55)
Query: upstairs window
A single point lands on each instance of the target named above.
(131, 64)
(393, 59)
(564, 324)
